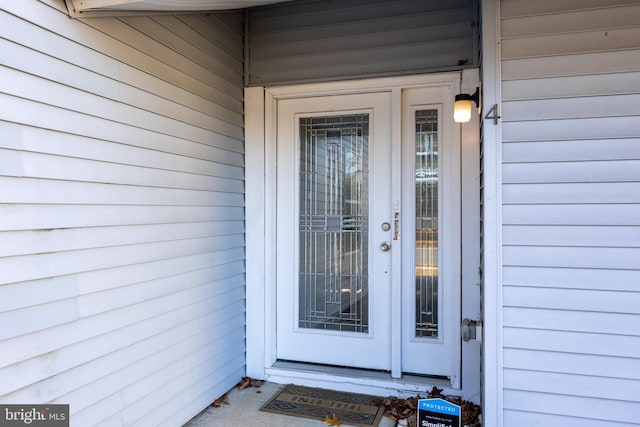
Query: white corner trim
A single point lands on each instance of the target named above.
(492, 395)
(255, 226)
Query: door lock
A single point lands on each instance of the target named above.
(385, 246)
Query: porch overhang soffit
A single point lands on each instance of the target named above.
(93, 8)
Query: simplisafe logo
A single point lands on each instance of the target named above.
(438, 413)
(34, 415)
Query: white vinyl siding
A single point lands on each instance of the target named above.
(571, 212)
(122, 206)
(345, 39)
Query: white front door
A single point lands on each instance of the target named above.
(339, 224)
(333, 280)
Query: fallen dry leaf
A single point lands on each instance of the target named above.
(247, 382)
(332, 421)
(405, 409)
(222, 400)
(436, 392)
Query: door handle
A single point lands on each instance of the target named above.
(385, 246)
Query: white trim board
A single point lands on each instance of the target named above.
(492, 376)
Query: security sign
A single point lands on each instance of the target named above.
(438, 413)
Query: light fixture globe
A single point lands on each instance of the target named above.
(462, 106)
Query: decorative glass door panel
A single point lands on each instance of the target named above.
(333, 282)
(333, 223)
(426, 228)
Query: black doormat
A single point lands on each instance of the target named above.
(316, 403)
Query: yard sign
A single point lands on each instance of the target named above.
(438, 413)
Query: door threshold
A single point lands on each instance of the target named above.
(378, 383)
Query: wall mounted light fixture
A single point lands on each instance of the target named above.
(462, 107)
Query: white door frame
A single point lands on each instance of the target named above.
(260, 127)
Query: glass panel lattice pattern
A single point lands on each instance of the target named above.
(334, 210)
(426, 309)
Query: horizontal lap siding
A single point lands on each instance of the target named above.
(571, 228)
(122, 176)
(338, 39)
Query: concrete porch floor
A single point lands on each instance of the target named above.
(244, 410)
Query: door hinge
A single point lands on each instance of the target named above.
(471, 330)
